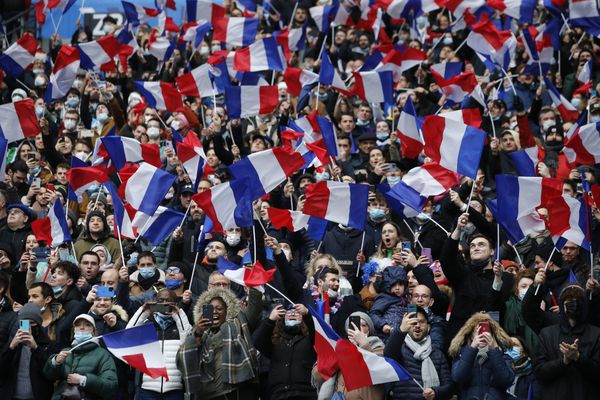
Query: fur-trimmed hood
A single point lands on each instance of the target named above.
(120, 312)
(231, 301)
(463, 337)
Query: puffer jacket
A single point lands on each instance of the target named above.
(90, 360)
(396, 349)
(489, 380)
(170, 340)
(388, 308)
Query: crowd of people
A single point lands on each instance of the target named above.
(445, 294)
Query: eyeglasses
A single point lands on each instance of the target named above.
(173, 270)
(421, 296)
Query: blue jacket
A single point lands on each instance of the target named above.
(487, 381)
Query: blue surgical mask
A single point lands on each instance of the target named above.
(448, 41)
(514, 353)
(102, 117)
(292, 322)
(208, 121)
(147, 272)
(376, 214)
(72, 102)
(39, 111)
(57, 290)
(382, 136)
(423, 217)
(81, 336)
(172, 284)
(392, 180)
(163, 320)
(421, 21)
(322, 176)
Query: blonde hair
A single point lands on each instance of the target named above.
(311, 267)
(464, 335)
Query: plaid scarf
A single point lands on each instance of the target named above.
(239, 362)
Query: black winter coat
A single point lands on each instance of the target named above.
(344, 245)
(7, 318)
(292, 361)
(407, 390)
(577, 380)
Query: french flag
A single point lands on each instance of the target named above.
(98, 52)
(204, 10)
(453, 145)
(585, 14)
(137, 14)
(228, 205)
(265, 170)
(122, 150)
(146, 188)
(139, 348)
(325, 342)
(63, 74)
(375, 86)
(395, 202)
(323, 16)
(261, 55)
(565, 108)
(156, 227)
(421, 182)
(521, 10)
(583, 147)
(3, 151)
(568, 221)
(124, 214)
(160, 46)
(82, 178)
(525, 161)
(446, 70)
(585, 75)
(296, 220)
(236, 31)
(343, 203)
(191, 154)
(254, 277)
(328, 74)
(18, 120)
(292, 39)
(128, 43)
(400, 60)
(296, 79)
(467, 116)
(194, 34)
(458, 8)
(247, 101)
(19, 55)
(486, 39)
(456, 89)
(518, 199)
(197, 82)
(362, 368)
(409, 129)
(160, 95)
(52, 229)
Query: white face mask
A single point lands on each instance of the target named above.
(204, 51)
(153, 133)
(102, 117)
(82, 155)
(332, 294)
(522, 292)
(39, 81)
(288, 254)
(547, 124)
(233, 239)
(70, 124)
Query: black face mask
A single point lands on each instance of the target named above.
(554, 145)
(573, 309)
(479, 264)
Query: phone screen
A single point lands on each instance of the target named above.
(24, 325)
(406, 245)
(355, 319)
(207, 311)
(105, 291)
(484, 327)
(412, 308)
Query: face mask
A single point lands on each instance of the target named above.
(288, 254)
(77, 84)
(376, 214)
(514, 353)
(37, 71)
(81, 337)
(39, 81)
(17, 98)
(82, 155)
(332, 294)
(514, 125)
(572, 309)
(554, 144)
(547, 124)
(153, 133)
(392, 180)
(39, 111)
(133, 259)
(176, 125)
(322, 96)
(362, 122)
(322, 176)
(147, 272)
(215, 48)
(522, 293)
(72, 102)
(289, 323)
(479, 264)
(421, 22)
(208, 121)
(172, 284)
(423, 217)
(448, 41)
(163, 320)
(108, 29)
(102, 117)
(595, 118)
(576, 102)
(57, 290)
(233, 239)
(204, 51)
(382, 136)
(70, 124)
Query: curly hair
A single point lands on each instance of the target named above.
(311, 268)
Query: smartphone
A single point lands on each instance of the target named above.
(412, 308)
(31, 156)
(406, 245)
(484, 327)
(426, 251)
(207, 311)
(85, 133)
(279, 301)
(37, 182)
(105, 291)
(392, 168)
(354, 319)
(64, 255)
(24, 325)
(160, 308)
(41, 253)
(50, 186)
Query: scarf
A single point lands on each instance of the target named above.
(482, 355)
(314, 291)
(422, 351)
(239, 362)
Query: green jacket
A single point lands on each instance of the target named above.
(90, 360)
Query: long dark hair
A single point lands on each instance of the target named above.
(280, 336)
